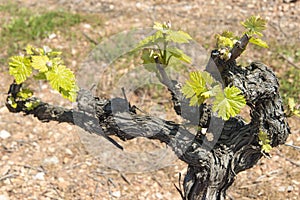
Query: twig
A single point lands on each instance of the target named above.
(286, 59)
(96, 190)
(89, 38)
(178, 188)
(164, 79)
(293, 162)
(155, 179)
(56, 190)
(295, 147)
(7, 176)
(125, 179)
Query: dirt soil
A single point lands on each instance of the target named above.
(49, 160)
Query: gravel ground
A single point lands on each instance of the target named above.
(48, 160)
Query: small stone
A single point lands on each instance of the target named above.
(281, 189)
(4, 197)
(40, 176)
(296, 182)
(289, 188)
(159, 195)
(60, 179)
(87, 26)
(69, 152)
(4, 134)
(116, 194)
(51, 160)
(52, 36)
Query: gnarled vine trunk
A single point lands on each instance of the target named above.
(211, 171)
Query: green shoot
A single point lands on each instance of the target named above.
(158, 46)
(201, 86)
(44, 64)
(264, 142)
(292, 108)
(254, 25)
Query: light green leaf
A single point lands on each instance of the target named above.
(61, 77)
(229, 103)
(258, 42)
(196, 88)
(224, 41)
(195, 100)
(229, 34)
(40, 76)
(40, 63)
(266, 148)
(11, 101)
(178, 36)
(264, 141)
(150, 40)
(31, 105)
(158, 26)
(54, 53)
(70, 94)
(19, 67)
(25, 93)
(28, 50)
(255, 25)
(177, 53)
(292, 107)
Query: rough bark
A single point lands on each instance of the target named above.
(211, 171)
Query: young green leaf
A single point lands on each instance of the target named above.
(19, 68)
(292, 108)
(29, 50)
(255, 25)
(258, 42)
(264, 142)
(177, 53)
(11, 101)
(40, 63)
(224, 41)
(150, 40)
(31, 105)
(178, 36)
(70, 94)
(160, 27)
(229, 103)
(61, 77)
(147, 56)
(196, 88)
(25, 93)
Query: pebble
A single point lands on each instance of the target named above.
(4, 197)
(159, 195)
(51, 160)
(116, 194)
(40, 176)
(52, 36)
(4, 134)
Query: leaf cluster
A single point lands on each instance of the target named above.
(201, 86)
(254, 26)
(157, 47)
(292, 108)
(264, 141)
(44, 64)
